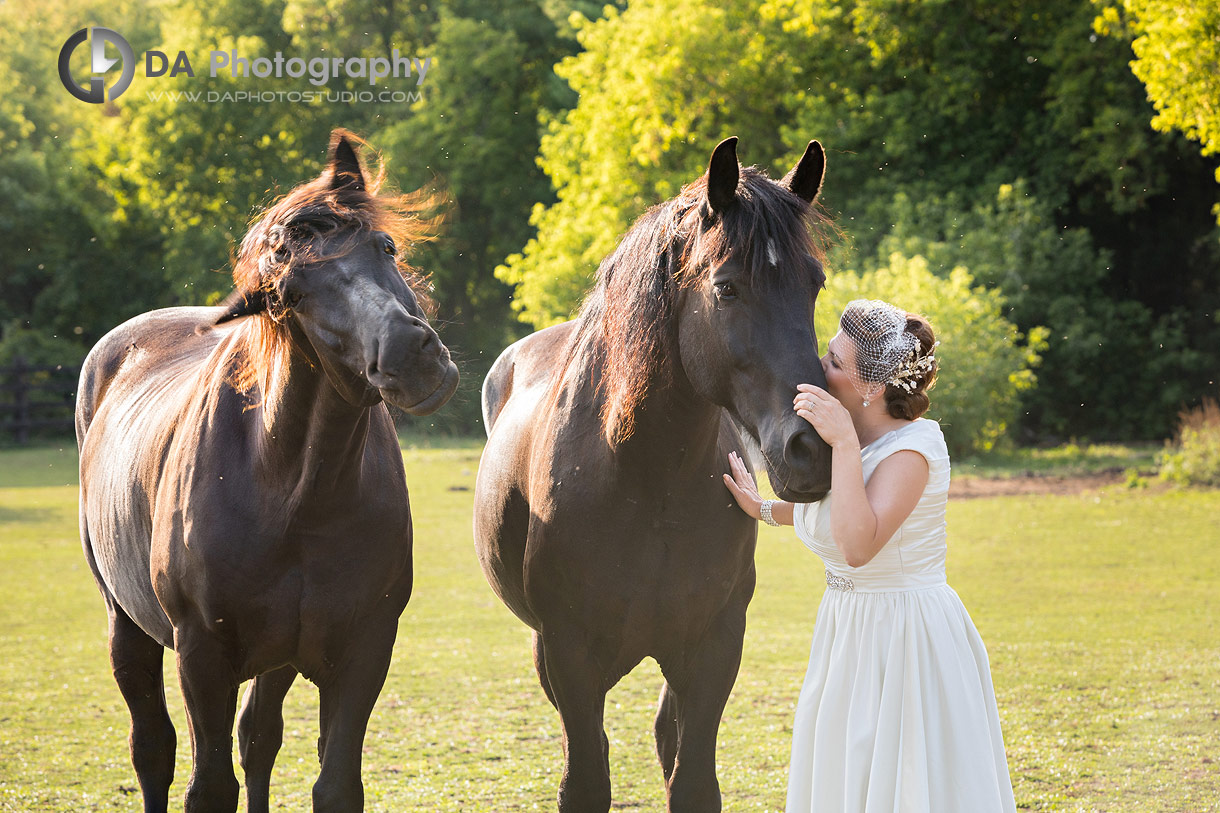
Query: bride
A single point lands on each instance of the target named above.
(897, 712)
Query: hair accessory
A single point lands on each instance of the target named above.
(907, 377)
(764, 513)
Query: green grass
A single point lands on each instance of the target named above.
(1070, 459)
(1099, 611)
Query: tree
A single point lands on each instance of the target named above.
(660, 84)
(477, 131)
(1109, 368)
(1176, 57)
(65, 270)
(941, 103)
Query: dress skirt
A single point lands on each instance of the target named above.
(897, 713)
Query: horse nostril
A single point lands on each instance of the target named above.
(425, 345)
(372, 369)
(800, 450)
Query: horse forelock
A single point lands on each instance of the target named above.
(628, 317)
(313, 223)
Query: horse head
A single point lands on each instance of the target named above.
(750, 276)
(322, 271)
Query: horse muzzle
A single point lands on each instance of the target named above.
(801, 472)
(408, 398)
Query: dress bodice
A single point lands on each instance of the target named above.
(914, 557)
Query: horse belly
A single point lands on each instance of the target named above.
(118, 521)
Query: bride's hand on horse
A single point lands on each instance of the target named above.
(825, 414)
(742, 486)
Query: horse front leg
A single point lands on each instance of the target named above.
(260, 732)
(578, 689)
(696, 691)
(209, 689)
(347, 696)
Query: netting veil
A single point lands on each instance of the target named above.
(885, 352)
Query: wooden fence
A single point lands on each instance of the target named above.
(36, 400)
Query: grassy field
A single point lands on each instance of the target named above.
(1099, 609)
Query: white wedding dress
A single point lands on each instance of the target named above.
(897, 713)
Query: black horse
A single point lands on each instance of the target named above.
(242, 492)
(601, 518)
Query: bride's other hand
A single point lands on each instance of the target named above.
(742, 486)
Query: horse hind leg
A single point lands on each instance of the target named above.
(260, 732)
(540, 668)
(136, 660)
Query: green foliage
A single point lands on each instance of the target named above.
(1193, 458)
(38, 348)
(1176, 53)
(1053, 277)
(682, 76)
(63, 268)
(984, 362)
(477, 132)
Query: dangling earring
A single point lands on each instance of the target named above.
(866, 402)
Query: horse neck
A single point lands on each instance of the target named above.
(675, 428)
(308, 427)
(676, 424)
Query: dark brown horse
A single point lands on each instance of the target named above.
(601, 518)
(242, 492)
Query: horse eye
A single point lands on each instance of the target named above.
(292, 299)
(390, 248)
(725, 290)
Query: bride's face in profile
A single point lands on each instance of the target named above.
(840, 357)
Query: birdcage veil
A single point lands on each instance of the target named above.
(885, 352)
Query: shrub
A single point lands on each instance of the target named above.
(1113, 368)
(985, 361)
(1192, 458)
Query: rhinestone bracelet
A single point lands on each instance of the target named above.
(764, 513)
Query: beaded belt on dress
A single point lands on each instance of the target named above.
(839, 582)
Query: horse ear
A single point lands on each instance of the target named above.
(805, 179)
(344, 165)
(722, 174)
(242, 303)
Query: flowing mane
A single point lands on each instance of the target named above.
(316, 221)
(627, 318)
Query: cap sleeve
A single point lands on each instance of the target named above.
(926, 438)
